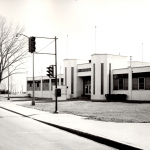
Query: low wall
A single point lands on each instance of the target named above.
(63, 93)
(42, 94)
(141, 95)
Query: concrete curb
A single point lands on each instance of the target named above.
(98, 139)
(15, 112)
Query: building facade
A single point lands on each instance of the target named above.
(103, 74)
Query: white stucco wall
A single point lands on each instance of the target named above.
(116, 61)
(84, 66)
(119, 65)
(68, 63)
(141, 94)
(84, 74)
(138, 64)
(133, 94)
(122, 71)
(41, 93)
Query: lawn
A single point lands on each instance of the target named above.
(104, 111)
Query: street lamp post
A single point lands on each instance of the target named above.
(56, 111)
(33, 101)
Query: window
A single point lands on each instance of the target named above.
(141, 83)
(134, 83)
(57, 81)
(62, 81)
(37, 85)
(115, 84)
(45, 85)
(147, 83)
(29, 85)
(121, 83)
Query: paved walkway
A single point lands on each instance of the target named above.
(135, 135)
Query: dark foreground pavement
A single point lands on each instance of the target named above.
(118, 135)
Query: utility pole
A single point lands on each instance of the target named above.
(42, 81)
(142, 52)
(60, 77)
(56, 111)
(32, 50)
(33, 101)
(67, 46)
(95, 39)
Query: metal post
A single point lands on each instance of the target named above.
(56, 111)
(67, 46)
(33, 101)
(95, 39)
(42, 82)
(60, 77)
(131, 75)
(8, 81)
(142, 52)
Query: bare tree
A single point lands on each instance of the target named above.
(4, 85)
(13, 50)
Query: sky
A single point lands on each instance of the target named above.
(117, 27)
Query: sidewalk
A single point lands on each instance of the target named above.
(134, 135)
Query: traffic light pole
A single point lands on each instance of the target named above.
(56, 110)
(33, 101)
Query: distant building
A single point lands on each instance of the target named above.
(103, 74)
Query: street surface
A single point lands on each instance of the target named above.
(22, 133)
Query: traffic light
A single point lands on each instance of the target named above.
(32, 44)
(50, 71)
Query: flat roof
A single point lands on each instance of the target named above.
(76, 59)
(132, 67)
(109, 54)
(83, 63)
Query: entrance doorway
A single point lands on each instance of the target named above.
(87, 86)
(88, 89)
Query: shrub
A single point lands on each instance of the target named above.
(117, 97)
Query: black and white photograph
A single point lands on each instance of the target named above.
(74, 74)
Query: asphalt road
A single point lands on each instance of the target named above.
(22, 133)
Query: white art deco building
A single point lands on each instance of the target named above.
(103, 74)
